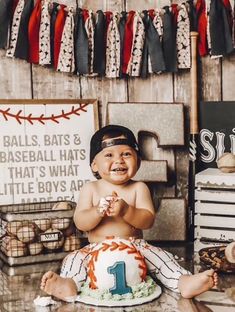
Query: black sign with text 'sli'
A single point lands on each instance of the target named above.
(217, 131)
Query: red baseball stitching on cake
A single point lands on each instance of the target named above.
(114, 246)
(42, 119)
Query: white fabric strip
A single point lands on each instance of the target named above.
(44, 35)
(15, 28)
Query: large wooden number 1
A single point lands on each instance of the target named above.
(119, 272)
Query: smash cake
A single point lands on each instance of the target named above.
(117, 276)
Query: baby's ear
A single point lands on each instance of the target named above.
(94, 170)
(94, 166)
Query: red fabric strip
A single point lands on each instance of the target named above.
(85, 14)
(14, 5)
(59, 27)
(152, 13)
(175, 12)
(128, 40)
(202, 27)
(33, 33)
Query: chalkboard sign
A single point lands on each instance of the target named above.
(217, 131)
(44, 149)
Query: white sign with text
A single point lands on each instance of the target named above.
(44, 150)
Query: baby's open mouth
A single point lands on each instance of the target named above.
(119, 170)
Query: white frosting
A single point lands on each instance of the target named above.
(103, 205)
(44, 301)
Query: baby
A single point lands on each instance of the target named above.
(116, 205)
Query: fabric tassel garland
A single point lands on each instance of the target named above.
(59, 27)
(5, 21)
(153, 38)
(134, 65)
(81, 45)
(89, 27)
(44, 35)
(99, 44)
(183, 38)
(128, 40)
(169, 41)
(15, 28)
(22, 45)
(14, 5)
(114, 44)
(202, 27)
(121, 28)
(207, 2)
(221, 38)
(229, 13)
(33, 32)
(66, 62)
(113, 48)
(53, 17)
(175, 12)
(145, 55)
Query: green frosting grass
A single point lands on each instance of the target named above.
(143, 289)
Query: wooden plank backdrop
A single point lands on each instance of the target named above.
(19, 79)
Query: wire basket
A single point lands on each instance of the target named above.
(37, 232)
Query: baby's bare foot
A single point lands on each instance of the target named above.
(57, 286)
(193, 285)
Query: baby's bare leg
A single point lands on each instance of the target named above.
(60, 287)
(193, 285)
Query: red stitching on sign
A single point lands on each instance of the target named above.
(42, 119)
(114, 246)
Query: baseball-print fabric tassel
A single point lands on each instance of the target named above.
(15, 28)
(134, 65)
(66, 62)
(183, 38)
(113, 48)
(44, 35)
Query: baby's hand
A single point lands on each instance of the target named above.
(117, 206)
(103, 206)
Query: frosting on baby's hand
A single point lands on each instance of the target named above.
(103, 206)
(105, 203)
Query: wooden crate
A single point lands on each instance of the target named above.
(214, 216)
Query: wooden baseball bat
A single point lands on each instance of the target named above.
(194, 133)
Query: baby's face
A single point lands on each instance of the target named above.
(116, 164)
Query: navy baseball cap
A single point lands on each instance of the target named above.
(97, 144)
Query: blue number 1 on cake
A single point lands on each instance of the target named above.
(119, 272)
